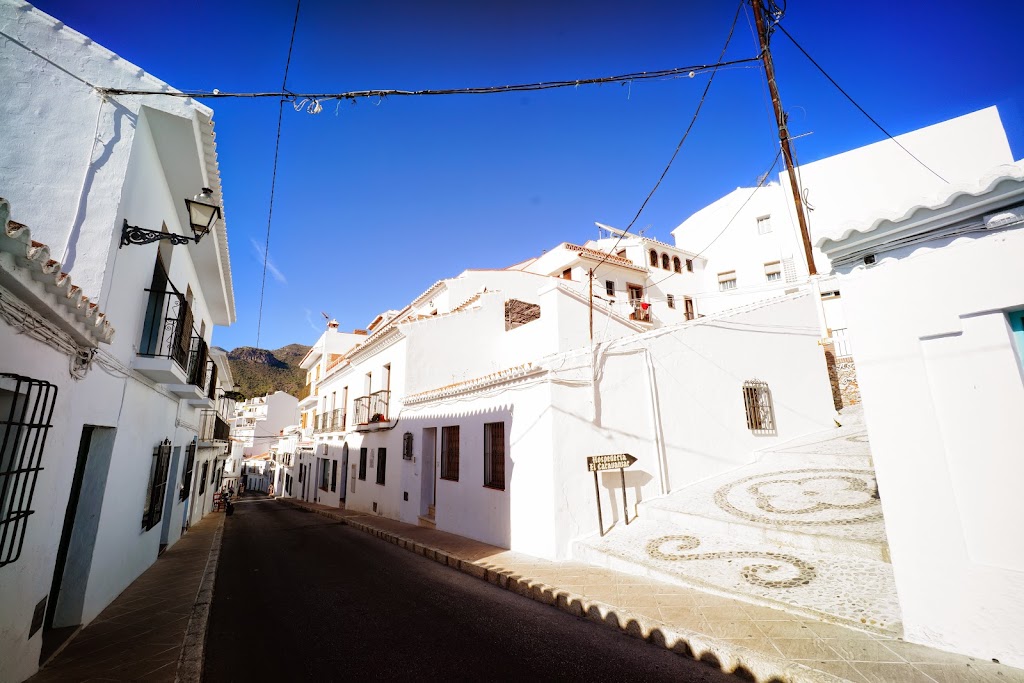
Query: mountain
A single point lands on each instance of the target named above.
(260, 371)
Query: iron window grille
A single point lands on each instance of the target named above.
(186, 476)
(677, 265)
(26, 412)
(362, 464)
(407, 446)
(609, 287)
(382, 456)
(757, 399)
(334, 475)
(202, 477)
(324, 475)
(450, 453)
(671, 299)
(494, 455)
(154, 509)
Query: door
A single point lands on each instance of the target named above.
(81, 525)
(428, 470)
(688, 303)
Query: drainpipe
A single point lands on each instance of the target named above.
(659, 443)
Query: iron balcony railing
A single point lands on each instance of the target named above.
(168, 332)
(212, 427)
(641, 312)
(372, 408)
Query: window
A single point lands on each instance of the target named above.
(609, 287)
(689, 265)
(325, 479)
(757, 399)
(671, 301)
(382, 460)
(186, 476)
(567, 274)
(773, 271)
(654, 259)
(362, 464)
(26, 409)
(677, 265)
(764, 225)
(407, 446)
(202, 477)
(154, 508)
(636, 293)
(664, 261)
(450, 453)
(727, 281)
(494, 455)
(688, 307)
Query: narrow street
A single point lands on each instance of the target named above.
(298, 595)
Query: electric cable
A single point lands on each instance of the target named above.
(854, 102)
(273, 176)
(686, 134)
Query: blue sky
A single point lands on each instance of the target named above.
(377, 200)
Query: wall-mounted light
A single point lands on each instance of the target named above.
(203, 214)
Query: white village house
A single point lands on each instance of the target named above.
(934, 295)
(750, 238)
(256, 425)
(105, 366)
(473, 409)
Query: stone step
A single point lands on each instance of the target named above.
(851, 591)
(814, 539)
(426, 521)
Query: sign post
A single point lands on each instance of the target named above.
(600, 463)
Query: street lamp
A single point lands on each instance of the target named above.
(202, 216)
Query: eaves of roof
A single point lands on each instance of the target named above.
(28, 265)
(595, 255)
(1004, 184)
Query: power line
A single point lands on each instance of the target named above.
(760, 184)
(686, 134)
(273, 176)
(854, 102)
(677, 72)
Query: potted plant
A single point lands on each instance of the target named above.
(377, 417)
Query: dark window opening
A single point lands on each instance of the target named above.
(186, 476)
(609, 287)
(677, 265)
(26, 412)
(334, 475)
(450, 453)
(654, 258)
(664, 261)
(362, 464)
(154, 509)
(757, 399)
(382, 458)
(494, 455)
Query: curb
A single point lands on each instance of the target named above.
(730, 658)
(193, 649)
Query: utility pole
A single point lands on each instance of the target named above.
(780, 119)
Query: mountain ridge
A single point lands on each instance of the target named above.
(261, 371)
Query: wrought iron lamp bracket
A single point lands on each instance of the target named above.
(131, 234)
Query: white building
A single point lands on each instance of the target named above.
(934, 295)
(121, 409)
(751, 237)
(258, 422)
(473, 409)
(214, 443)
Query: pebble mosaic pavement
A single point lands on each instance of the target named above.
(822, 485)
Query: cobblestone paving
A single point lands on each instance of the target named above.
(840, 589)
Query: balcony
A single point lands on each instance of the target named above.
(641, 312)
(213, 430)
(171, 352)
(372, 411)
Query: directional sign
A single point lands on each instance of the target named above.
(599, 463)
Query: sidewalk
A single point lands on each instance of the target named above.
(140, 636)
(767, 644)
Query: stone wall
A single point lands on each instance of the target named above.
(842, 374)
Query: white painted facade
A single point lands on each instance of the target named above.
(458, 356)
(751, 234)
(258, 422)
(75, 165)
(935, 300)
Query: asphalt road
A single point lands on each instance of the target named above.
(299, 596)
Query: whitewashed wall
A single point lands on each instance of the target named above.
(943, 396)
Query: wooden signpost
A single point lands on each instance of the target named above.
(600, 463)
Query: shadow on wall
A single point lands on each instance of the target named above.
(612, 497)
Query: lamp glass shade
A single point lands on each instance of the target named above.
(202, 212)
